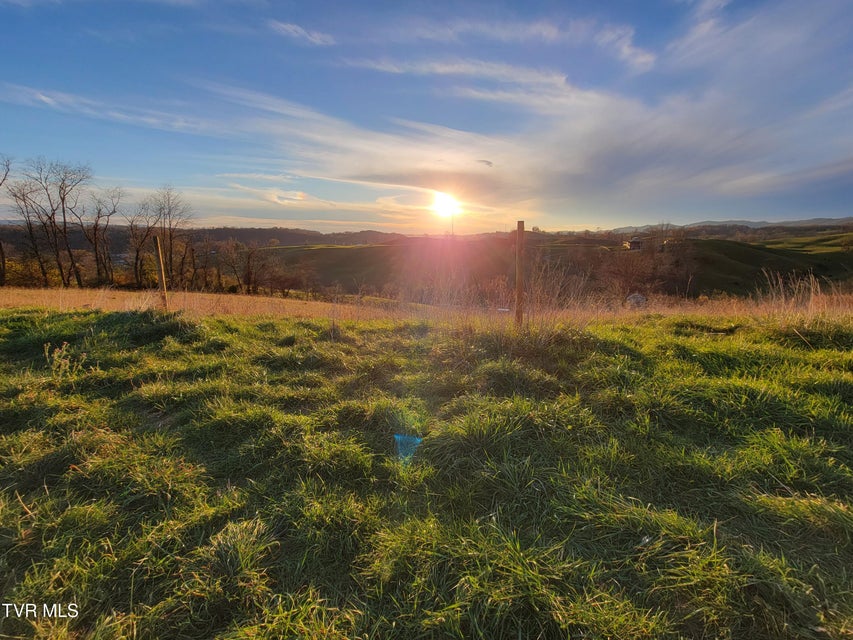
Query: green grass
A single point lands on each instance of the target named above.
(740, 268)
(827, 242)
(666, 477)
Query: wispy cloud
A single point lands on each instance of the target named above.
(508, 32)
(775, 37)
(102, 110)
(241, 205)
(300, 34)
(842, 101)
(620, 39)
(280, 196)
(266, 177)
(616, 39)
(416, 156)
(479, 69)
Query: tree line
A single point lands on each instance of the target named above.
(68, 232)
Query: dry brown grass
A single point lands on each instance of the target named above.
(194, 304)
(582, 312)
(191, 303)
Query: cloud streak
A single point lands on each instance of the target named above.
(472, 68)
(75, 104)
(301, 35)
(620, 39)
(615, 39)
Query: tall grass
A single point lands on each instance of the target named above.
(549, 302)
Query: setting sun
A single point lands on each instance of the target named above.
(445, 205)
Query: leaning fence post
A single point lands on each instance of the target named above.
(519, 274)
(161, 273)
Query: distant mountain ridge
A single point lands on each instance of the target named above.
(750, 224)
(812, 222)
(284, 236)
(295, 236)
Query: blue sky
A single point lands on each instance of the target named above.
(346, 116)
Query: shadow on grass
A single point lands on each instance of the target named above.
(27, 331)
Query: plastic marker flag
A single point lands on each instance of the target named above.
(406, 446)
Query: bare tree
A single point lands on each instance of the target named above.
(207, 275)
(66, 181)
(22, 194)
(173, 214)
(48, 198)
(141, 225)
(94, 223)
(232, 254)
(5, 169)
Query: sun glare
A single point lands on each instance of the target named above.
(445, 205)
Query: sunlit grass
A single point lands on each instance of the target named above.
(655, 475)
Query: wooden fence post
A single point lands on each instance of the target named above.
(161, 273)
(519, 274)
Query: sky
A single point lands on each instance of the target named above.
(341, 116)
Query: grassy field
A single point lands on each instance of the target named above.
(715, 265)
(739, 268)
(830, 242)
(650, 476)
(195, 304)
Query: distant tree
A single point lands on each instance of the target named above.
(206, 266)
(94, 223)
(251, 267)
(141, 225)
(250, 275)
(173, 214)
(48, 200)
(5, 169)
(21, 193)
(232, 255)
(308, 278)
(187, 268)
(281, 280)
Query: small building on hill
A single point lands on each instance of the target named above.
(634, 244)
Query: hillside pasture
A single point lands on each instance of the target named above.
(212, 476)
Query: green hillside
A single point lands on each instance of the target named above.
(738, 268)
(680, 477)
(420, 261)
(711, 265)
(818, 243)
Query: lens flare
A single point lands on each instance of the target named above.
(445, 205)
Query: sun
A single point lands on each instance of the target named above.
(445, 205)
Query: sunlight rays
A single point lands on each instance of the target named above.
(445, 205)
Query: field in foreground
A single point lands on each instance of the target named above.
(792, 298)
(222, 477)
